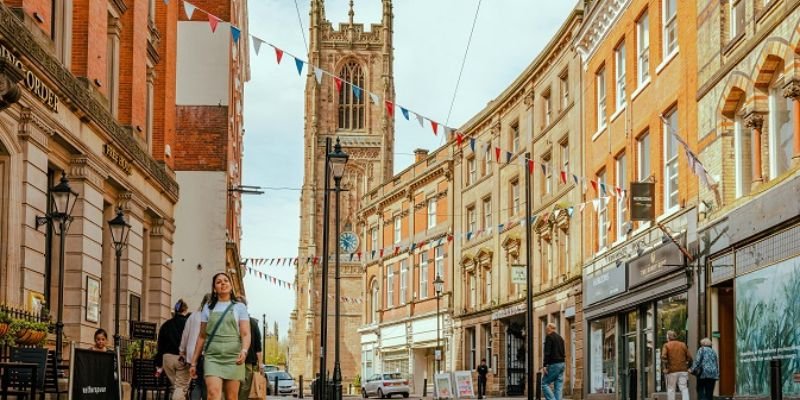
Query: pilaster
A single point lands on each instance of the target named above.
(159, 271)
(755, 121)
(792, 90)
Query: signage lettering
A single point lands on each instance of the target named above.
(118, 159)
(664, 259)
(32, 82)
(143, 330)
(604, 285)
(518, 275)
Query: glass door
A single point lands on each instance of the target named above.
(630, 354)
(649, 342)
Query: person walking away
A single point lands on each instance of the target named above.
(675, 361)
(224, 341)
(553, 368)
(251, 363)
(483, 370)
(168, 358)
(100, 340)
(188, 340)
(706, 368)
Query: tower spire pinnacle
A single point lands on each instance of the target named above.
(350, 13)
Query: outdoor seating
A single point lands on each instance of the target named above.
(146, 384)
(17, 379)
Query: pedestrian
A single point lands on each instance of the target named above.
(553, 368)
(100, 340)
(168, 358)
(188, 341)
(251, 363)
(706, 368)
(224, 341)
(483, 370)
(675, 361)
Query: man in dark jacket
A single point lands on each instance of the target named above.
(168, 357)
(252, 361)
(553, 369)
(483, 370)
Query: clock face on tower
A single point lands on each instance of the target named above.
(348, 242)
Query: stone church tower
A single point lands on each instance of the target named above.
(365, 58)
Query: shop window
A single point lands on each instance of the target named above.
(671, 315)
(487, 340)
(603, 355)
(351, 107)
(781, 120)
(471, 348)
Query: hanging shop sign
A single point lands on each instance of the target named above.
(32, 82)
(518, 275)
(660, 261)
(604, 285)
(642, 200)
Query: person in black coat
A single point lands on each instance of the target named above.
(168, 358)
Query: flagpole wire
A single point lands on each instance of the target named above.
(300, 22)
(463, 62)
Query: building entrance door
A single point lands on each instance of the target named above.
(630, 349)
(515, 359)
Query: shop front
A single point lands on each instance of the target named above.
(630, 306)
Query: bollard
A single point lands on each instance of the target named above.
(538, 388)
(300, 388)
(632, 384)
(775, 380)
(425, 387)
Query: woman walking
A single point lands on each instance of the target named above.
(224, 341)
(706, 368)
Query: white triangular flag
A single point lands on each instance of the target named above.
(189, 7)
(420, 119)
(318, 74)
(374, 97)
(596, 204)
(256, 43)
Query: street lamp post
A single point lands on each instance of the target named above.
(63, 201)
(322, 383)
(528, 286)
(438, 286)
(119, 235)
(337, 159)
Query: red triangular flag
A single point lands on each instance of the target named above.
(278, 54)
(338, 83)
(459, 138)
(497, 153)
(435, 127)
(530, 166)
(213, 21)
(390, 108)
(564, 177)
(594, 186)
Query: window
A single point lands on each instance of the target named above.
(622, 204)
(375, 302)
(487, 285)
(515, 197)
(547, 259)
(151, 11)
(390, 286)
(135, 310)
(547, 108)
(150, 94)
(487, 161)
(781, 119)
(601, 98)
(602, 215)
(736, 18)
(431, 212)
(487, 338)
(112, 64)
(564, 154)
(487, 213)
(473, 288)
(670, 27)
(603, 355)
(563, 252)
(643, 157)
(439, 260)
(741, 149)
(643, 48)
(423, 275)
(472, 219)
(398, 223)
(61, 31)
(515, 137)
(563, 85)
(547, 184)
(670, 161)
(471, 343)
(619, 56)
(351, 107)
(373, 233)
(472, 170)
(403, 280)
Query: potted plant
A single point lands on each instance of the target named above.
(5, 320)
(27, 332)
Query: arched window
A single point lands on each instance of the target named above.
(351, 107)
(373, 313)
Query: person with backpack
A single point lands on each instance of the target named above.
(168, 359)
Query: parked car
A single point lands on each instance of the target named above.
(270, 368)
(286, 385)
(385, 385)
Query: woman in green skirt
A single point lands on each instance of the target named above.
(224, 340)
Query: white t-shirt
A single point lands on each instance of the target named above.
(239, 311)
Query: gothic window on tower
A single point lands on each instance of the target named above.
(351, 102)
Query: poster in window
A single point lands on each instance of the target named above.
(92, 299)
(136, 308)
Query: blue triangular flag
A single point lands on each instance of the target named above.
(603, 188)
(413, 246)
(575, 178)
(500, 227)
(357, 92)
(469, 235)
(299, 64)
(235, 33)
(405, 113)
(472, 144)
(508, 157)
(570, 210)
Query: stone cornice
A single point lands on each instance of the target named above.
(85, 168)
(13, 32)
(32, 127)
(603, 15)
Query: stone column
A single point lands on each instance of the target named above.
(755, 122)
(159, 270)
(792, 89)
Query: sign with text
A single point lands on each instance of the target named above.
(464, 386)
(642, 200)
(518, 275)
(143, 330)
(93, 375)
(665, 258)
(443, 386)
(602, 285)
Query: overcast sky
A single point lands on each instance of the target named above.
(430, 37)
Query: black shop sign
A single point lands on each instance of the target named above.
(143, 330)
(642, 200)
(603, 285)
(93, 375)
(655, 263)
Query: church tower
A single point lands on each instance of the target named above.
(365, 59)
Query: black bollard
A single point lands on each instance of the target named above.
(538, 388)
(775, 380)
(425, 387)
(300, 388)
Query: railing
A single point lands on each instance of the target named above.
(129, 350)
(25, 315)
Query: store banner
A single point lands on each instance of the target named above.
(658, 262)
(93, 376)
(604, 285)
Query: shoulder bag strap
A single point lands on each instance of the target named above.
(216, 326)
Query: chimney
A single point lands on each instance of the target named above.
(420, 154)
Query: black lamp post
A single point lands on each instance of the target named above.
(529, 287)
(119, 235)
(337, 160)
(63, 201)
(438, 286)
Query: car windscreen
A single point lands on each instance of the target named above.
(280, 375)
(395, 375)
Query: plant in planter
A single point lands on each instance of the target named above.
(26, 332)
(5, 320)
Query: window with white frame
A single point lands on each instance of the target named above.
(515, 204)
(741, 150)
(737, 18)
(439, 261)
(563, 84)
(487, 338)
(390, 286)
(781, 120)
(670, 161)
(564, 155)
(547, 105)
(600, 79)
(487, 161)
(403, 280)
(643, 157)
(622, 204)
(431, 212)
(487, 285)
(602, 215)
(423, 275)
(472, 349)
(487, 213)
(472, 219)
(547, 183)
(61, 31)
(473, 289)
(398, 224)
(643, 48)
(472, 170)
(375, 302)
(515, 137)
(619, 56)
(670, 27)
(563, 251)
(373, 233)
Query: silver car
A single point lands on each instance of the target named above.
(385, 385)
(286, 385)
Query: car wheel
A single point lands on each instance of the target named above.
(405, 395)
(380, 394)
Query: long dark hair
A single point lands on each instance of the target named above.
(214, 297)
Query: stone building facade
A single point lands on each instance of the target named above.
(406, 227)
(86, 109)
(365, 58)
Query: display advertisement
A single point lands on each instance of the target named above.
(767, 311)
(464, 386)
